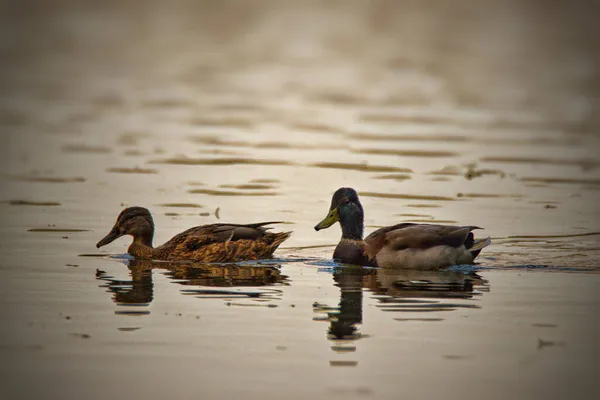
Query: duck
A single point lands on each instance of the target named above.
(207, 243)
(404, 245)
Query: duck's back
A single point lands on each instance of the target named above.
(223, 243)
(423, 246)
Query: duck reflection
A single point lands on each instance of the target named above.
(349, 313)
(405, 292)
(200, 280)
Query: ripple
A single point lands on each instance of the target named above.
(135, 170)
(84, 148)
(217, 141)
(133, 153)
(490, 195)
(33, 203)
(406, 196)
(562, 180)
(408, 153)
(51, 179)
(233, 122)
(219, 161)
(360, 167)
(395, 177)
(214, 151)
(572, 235)
(132, 313)
(57, 230)
(407, 138)
(181, 205)
(212, 192)
(447, 170)
(316, 127)
(336, 363)
(544, 325)
(235, 107)
(168, 103)
(427, 307)
(343, 349)
(419, 319)
(248, 186)
(586, 163)
(263, 180)
(298, 146)
(396, 119)
(339, 98)
(433, 221)
(130, 138)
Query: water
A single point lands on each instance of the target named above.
(471, 114)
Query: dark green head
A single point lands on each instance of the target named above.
(346, 209)
(134, 221)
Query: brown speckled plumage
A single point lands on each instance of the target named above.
(207, 243)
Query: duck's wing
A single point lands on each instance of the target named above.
(419, 236)
(199, 236)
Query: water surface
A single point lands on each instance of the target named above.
(237, 112)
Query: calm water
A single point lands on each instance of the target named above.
(478, 115)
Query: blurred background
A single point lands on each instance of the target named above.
(455, 112)
(478, 112)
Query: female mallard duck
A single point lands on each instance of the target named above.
(207, 243)
(406, 245)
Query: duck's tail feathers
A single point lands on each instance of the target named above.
(478, 245)
(279, 238)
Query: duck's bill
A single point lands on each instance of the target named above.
(112, 235)
(329, 220)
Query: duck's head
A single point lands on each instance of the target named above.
(346, 209)
(134, 221)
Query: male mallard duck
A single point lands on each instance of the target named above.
(207, 243)
(406, 245)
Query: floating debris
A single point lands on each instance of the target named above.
(81, 335)
(472, 172)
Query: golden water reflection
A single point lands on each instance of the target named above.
(204, 281)
(409, 295)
